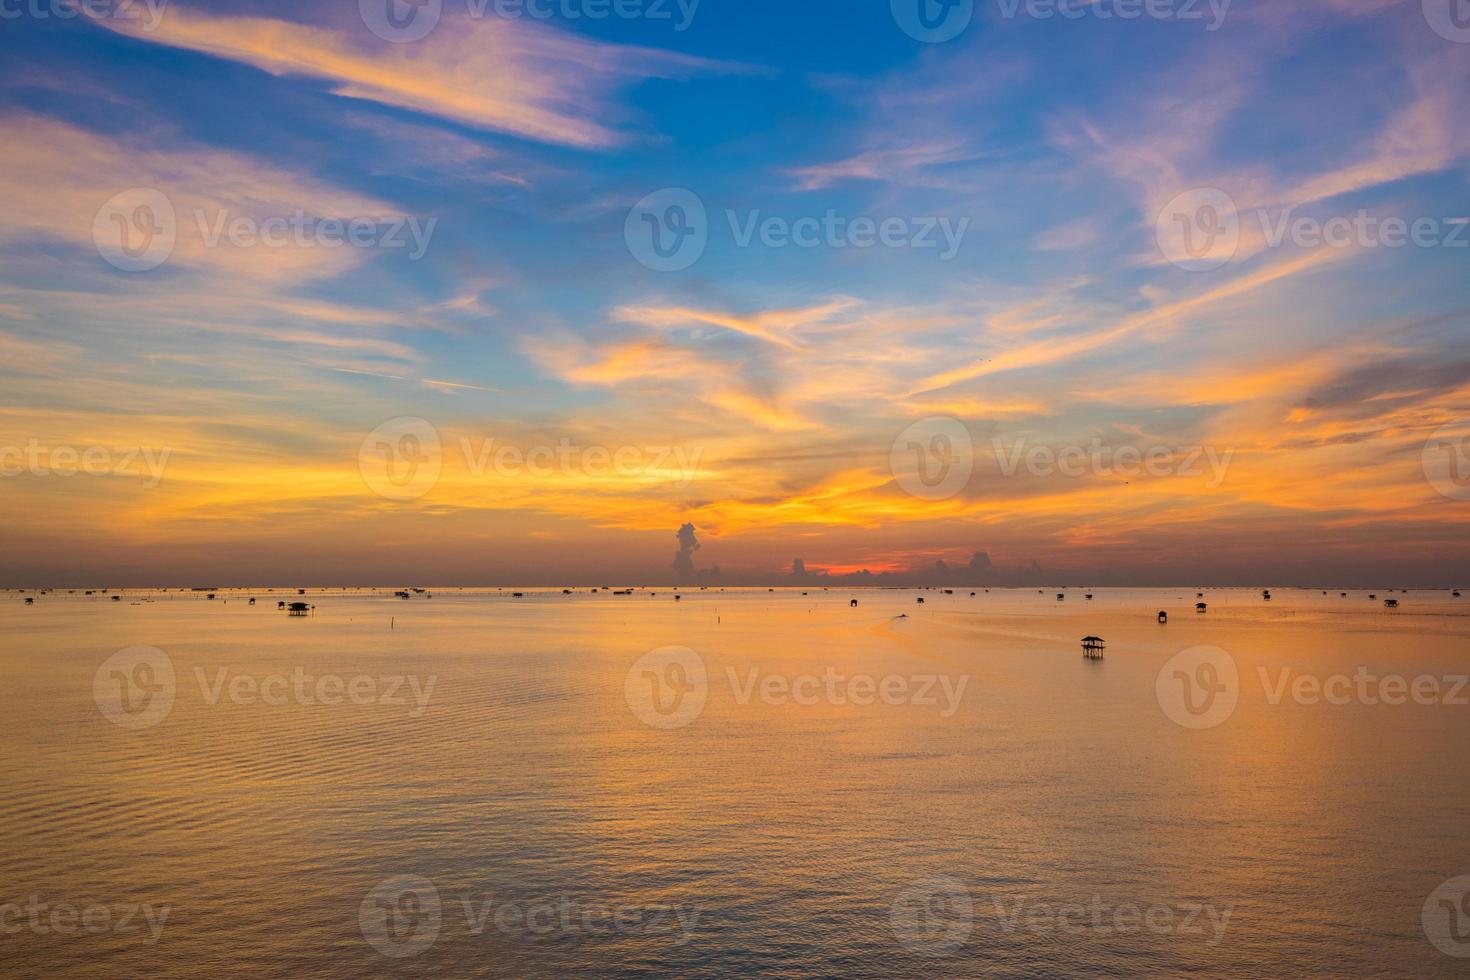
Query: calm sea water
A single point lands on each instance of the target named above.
(474, 784)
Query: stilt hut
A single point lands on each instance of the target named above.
(1092, 647)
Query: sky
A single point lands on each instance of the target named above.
(735, 292)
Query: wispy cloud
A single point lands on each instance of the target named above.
(491, 73)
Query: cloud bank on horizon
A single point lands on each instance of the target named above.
(1130, 299)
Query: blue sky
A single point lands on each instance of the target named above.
(1032, 172)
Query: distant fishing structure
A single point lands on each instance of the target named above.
(1092, 647)
(1163, 616)
(1200, 607)
(299, 609)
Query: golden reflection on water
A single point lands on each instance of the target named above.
(508, 765)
